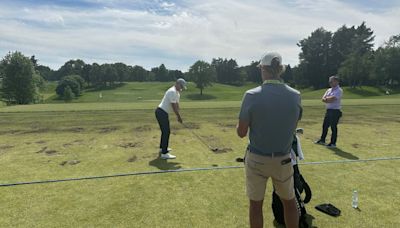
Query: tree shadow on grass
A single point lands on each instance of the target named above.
(163, 164)
(198, 97)
(344, 154)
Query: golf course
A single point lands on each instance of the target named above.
(101, 151)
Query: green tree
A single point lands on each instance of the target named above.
(46, 72)
(94, 75)
(68, 95)
(386, 67)
(228, 72)
(315, 57)
(71, 67)
(139, 74)
(175, 74)
(355, 70)
(71, 82)
(287, 76)
(18, 85)
(342, 45)
(110, 74)
(161, 73)
(86, 73)
(122, 71)
(202, 74)
(253, 72)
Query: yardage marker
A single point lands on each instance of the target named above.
(185, 170)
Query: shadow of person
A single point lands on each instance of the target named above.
(309, 220)
(163, 164)
(344, 154)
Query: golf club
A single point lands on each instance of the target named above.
(214, 149)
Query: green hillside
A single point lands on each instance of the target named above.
(151, 91)
(154, 91)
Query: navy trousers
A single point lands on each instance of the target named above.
(163, 121)
(331, 119)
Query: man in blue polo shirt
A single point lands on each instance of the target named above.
(270, 112)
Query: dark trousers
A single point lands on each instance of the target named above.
(163, 121)
(331, 119)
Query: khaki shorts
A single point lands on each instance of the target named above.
(259, 168)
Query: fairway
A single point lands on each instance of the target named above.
(56, 141)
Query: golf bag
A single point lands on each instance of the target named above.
(300, 186)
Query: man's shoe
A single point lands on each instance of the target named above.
(331, 145)
(320, 142)
(167, 156)
(169, 150)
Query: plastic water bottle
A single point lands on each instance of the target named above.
(354, 202)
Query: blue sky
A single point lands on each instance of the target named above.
(178, 33)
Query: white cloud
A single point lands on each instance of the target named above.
(177, 34)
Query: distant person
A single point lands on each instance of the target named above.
(271, 112)
(332, 98)
(169, 103)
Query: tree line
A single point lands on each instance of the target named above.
(347, 52)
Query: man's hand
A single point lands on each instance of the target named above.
(329, 99)
(175, 107)
(242, 128)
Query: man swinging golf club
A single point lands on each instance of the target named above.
(169, 103)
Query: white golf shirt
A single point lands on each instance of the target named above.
(170, 96)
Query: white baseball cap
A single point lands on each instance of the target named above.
(267, 58)
(182, 82)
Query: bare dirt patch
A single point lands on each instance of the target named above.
(132, 159)
(36, 131)
(75, 142)
(192, 125)
(42, 150)
(222, 150)
(106, 130)
(76, 129)
(130, 145)
(355, 145)
(5, 147)
(143, 128)
(227, 125)
(72, 162)
(10, 132)
(152, 156)
(50, 152)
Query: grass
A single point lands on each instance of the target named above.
(50, 141)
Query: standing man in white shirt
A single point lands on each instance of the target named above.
(169, 103)
(332, 99)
